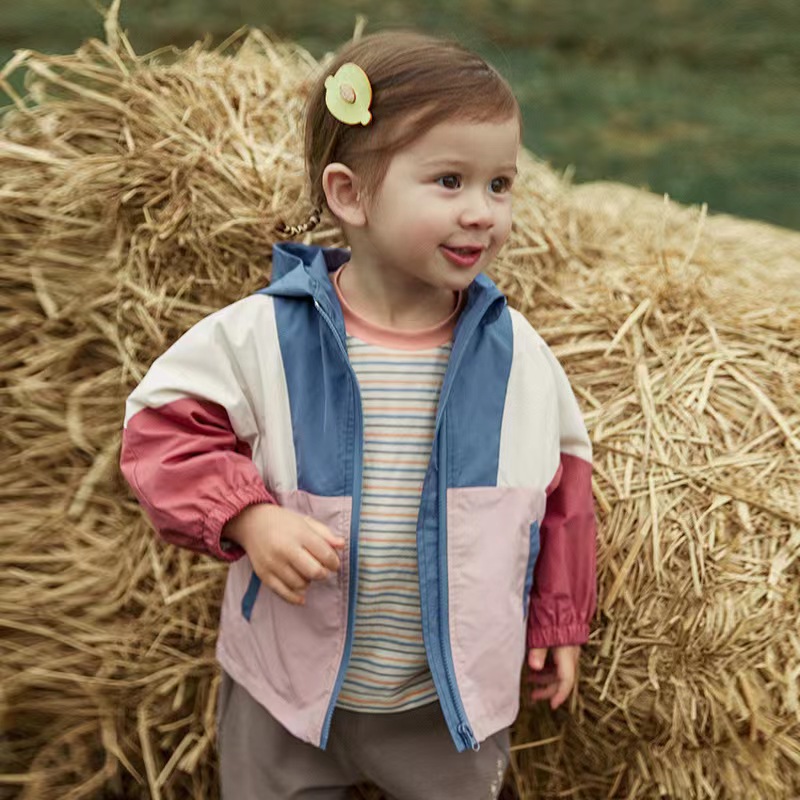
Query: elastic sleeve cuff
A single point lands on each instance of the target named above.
(558, 636)
(224, 549)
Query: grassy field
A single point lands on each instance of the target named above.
(698, 99)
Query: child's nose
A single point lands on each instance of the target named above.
(476, 211)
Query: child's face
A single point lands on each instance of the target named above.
(448, 190)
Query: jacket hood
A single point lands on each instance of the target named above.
(288, 256)
(302, 270)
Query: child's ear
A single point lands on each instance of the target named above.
(343, 195)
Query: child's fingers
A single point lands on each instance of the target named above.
(544, 692)
(334, 540)
(548, 670)
(293, 579)
(322, 545)
(563, 688)
(542, 678)
(565, 664)
(536, 657)
(283, 591)
(556, 691)
(311, 567)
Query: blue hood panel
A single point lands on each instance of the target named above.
(318, 261)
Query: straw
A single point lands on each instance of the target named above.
(140, 193)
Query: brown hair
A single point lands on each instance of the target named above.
(417, 82)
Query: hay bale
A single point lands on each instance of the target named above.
(139, 193)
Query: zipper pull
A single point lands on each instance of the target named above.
(468, 737)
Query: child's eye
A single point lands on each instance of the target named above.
(500, 185)
(449, 181)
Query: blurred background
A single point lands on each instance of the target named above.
(696, 98)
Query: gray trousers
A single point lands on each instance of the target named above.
(410, 755)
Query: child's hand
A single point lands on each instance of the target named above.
(287, 550)
(555, 681)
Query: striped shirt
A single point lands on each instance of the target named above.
(388, 669)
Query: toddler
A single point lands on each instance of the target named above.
(390, 458)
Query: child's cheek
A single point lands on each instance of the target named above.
(504, 228)
(430, 226)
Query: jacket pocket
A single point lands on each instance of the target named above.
(249, 598)
(533, 554)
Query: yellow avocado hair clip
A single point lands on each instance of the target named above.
(348, 95)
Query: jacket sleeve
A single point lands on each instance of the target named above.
(564, 594)
(187, 440)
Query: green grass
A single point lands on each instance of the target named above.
(696, 98)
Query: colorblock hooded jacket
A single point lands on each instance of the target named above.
(258, 403)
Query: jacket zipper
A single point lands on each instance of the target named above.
(462, 725)
(463, 728)
(354, 524)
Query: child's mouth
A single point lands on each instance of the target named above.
(462, 256)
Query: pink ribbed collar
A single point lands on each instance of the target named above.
(417, 339)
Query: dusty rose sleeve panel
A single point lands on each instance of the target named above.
(190, 473)
(564, 594)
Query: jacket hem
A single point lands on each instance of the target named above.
(274, 704)
(485, 726)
